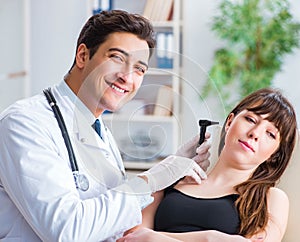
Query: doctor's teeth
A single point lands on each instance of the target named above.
(117, 89)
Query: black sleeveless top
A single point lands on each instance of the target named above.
(179, 212)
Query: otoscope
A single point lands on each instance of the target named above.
(203, 124)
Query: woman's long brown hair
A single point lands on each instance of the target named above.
(252, 202)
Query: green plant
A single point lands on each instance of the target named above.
(257, 34)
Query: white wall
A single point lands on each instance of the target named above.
(11, 42)
(55, 26)
(198, 49)
(52, 30)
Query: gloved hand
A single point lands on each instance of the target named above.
(202, 156)
(199, 154)
(172, 169)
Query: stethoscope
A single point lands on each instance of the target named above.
(81, 180)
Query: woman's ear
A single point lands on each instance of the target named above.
(82, 56)
(229, 121)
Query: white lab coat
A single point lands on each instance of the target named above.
(38, 197)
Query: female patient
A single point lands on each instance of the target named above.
(238, 201)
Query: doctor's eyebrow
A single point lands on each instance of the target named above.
(127, 55)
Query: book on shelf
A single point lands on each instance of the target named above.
(101, 5)
(164, 49)
(164, 101)
(158, 10)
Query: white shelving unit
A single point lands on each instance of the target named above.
(14, 70)
(27, 82)
(144, 138)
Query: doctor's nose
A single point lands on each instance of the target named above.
(125, 75)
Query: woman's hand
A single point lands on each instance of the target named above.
(146, 235)
(260, 237)
(216, 236)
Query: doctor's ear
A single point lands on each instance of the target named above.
(229, 121)
(82, 55)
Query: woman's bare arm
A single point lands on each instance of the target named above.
(278, 207)
(150, 211)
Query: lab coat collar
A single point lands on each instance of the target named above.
(82, 116)
(85, 135)
(77, 103)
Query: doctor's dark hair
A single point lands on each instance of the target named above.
(252, 202)
(98, 27)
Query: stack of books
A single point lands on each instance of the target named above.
(101, 5)
(159, 10)
(164, 101)
(164, 49)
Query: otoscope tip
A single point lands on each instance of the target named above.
(204, 122)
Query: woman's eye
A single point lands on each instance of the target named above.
(272, 135)
(250, 119)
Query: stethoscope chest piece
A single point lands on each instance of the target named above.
(81, 181)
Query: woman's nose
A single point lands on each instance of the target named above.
(254, 134)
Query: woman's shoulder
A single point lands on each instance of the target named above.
(277, 196)
(278, 209)
(278, 193)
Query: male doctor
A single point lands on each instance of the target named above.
(41, 198)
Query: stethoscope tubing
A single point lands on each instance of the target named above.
(81, 180)
(62, 126)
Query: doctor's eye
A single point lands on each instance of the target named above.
(117, 57)
(141, 70)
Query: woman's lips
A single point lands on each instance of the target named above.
(247, 145)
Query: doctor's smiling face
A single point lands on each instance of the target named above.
(115, 72)
(112, 54)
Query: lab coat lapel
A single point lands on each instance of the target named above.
(89, 137)
(87, 142)
(84, 131)
(96, 165)
(115, 150)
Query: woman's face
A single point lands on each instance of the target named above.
(250, 138)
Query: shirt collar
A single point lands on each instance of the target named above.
(64, 89)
